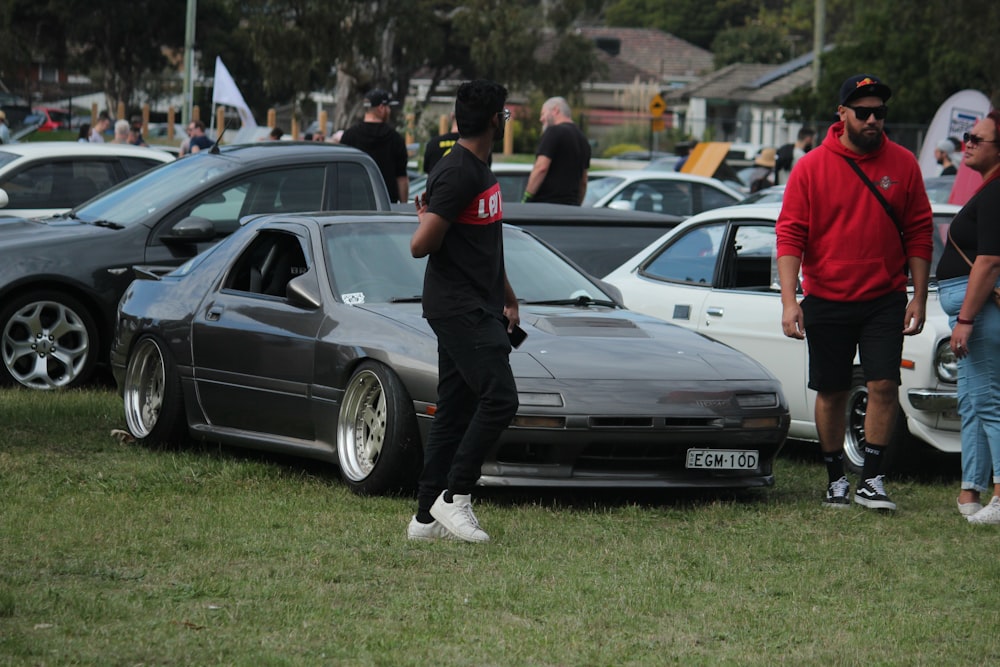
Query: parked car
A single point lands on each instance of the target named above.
(61, 277)
(49, 177)
(673, 193)
(287, 337)
(512, 177)
(52, 119)
(717, 274)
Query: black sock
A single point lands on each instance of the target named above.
(448, 497)
(834, 465)
(873, 460)
(424, 516)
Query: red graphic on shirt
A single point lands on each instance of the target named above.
(485, 209)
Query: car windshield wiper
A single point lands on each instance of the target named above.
(407, 299)
(582, 300)
(108, 224)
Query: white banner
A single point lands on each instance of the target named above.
(226, 92)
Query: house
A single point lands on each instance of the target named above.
(740, 102)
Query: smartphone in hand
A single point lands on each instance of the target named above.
(516, 336)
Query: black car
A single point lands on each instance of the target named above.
(304, 334)
(61, 277)
(598, 240)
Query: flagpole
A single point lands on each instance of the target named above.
(192, 10)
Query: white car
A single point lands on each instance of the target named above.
(511, 176)
(717, 273)
(658, 192)
(45, 178)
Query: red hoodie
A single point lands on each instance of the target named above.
(850, 248)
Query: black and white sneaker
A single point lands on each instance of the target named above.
(838, 494)
(871, 493)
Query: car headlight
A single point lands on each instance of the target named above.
(945, 362)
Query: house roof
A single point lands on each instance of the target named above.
(755, 83)
(656, 53)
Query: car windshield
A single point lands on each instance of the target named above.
(536, 273)
(598, 187)
(7, 157)
(134, 200)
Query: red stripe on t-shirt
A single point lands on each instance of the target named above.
(485, 209)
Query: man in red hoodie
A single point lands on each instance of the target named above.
(853, 247)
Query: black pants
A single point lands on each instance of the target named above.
(477, 398)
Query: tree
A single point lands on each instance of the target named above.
(753, 43)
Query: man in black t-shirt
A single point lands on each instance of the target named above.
(375, 136)
(471, 308)
(562, 160)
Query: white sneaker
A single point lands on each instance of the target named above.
(989, 515)
(968, 509)
(427, 531)
(458, 518)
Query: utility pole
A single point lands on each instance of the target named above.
(192, 10)
(819, 28)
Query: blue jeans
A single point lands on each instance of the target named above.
(477, 398)
(978, 388)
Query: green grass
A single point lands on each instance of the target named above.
(117, 554)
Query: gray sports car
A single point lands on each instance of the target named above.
(303, 334)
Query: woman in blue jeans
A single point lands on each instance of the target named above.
(967, 272)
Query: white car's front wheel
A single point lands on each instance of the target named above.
(854, 436)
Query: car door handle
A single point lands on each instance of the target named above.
(715, 311)
(214, 313)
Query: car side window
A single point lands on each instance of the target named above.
(751, 261)
(62, 184)
(353, 190)
(713, 198)
(268, 264)
(690, 258)
(137, 165)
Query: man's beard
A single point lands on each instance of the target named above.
(865, 142)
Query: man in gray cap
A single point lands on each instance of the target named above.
(375, 136)
(855, 217)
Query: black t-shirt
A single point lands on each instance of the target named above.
(949, 171)
(437, 148)
(201, 141)
(466, 273)
(385, 146)
(569, 151)
(976, 230)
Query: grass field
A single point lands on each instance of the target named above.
(116, 554)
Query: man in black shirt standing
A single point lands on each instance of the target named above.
(375, 136)
(471, 308)
(439, 146)
(562, 160)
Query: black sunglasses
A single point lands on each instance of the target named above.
(864, 113)
(974, 140)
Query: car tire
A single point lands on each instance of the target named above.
(48, 340)
(378, 443)
(854, 436)
(154, 402)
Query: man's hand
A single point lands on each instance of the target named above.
(913, 321)
(792, 323)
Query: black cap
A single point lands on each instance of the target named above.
(377, 97)
(863, 85)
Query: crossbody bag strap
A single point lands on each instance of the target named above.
(874, 190)
(964, 256)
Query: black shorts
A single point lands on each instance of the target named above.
(836, 330)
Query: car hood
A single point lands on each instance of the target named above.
(21, 232)
(597, 343)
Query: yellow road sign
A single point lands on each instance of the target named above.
(657, 106)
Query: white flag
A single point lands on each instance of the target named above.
(226, 92)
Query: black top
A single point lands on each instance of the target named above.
(467, 272)
(386, 147)
(437, 148)
(569, 151)
(976, 230)
(949, 171)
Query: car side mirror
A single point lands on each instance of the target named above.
(621, 205)
(303, 291)
(192, 229)
(4, 199)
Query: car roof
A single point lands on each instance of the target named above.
(517, 213)
(37, 149)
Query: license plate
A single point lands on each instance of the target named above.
(723, 459)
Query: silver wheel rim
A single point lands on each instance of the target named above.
(45, 345)
(361, 429)
(854, 437)
(144, 389)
